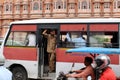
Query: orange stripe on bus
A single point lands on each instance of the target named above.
(20, 53)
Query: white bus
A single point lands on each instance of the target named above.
(32, 61)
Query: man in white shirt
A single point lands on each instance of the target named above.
(5, 74)
(31, 39)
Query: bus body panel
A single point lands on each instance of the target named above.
(104, 27)
(24, 27)
(21, 53)
(73, 27)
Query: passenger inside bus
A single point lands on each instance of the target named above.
(31, 39)
(79, 41)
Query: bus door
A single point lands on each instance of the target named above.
(44, 70)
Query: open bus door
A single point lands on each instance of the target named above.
(42, 48)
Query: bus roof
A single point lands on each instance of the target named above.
(84, 20)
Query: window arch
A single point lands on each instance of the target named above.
(118, 4)
(17, 7)
(7, 8)
(84, 5)
(72, 6)
(25, 7)
(48, 6)
(59, 4)
(107, 5)
(36, 6)
(97, 5)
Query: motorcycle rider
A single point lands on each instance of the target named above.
(103, 71)
(84, 72)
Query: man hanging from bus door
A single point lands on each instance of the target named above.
(51, 46)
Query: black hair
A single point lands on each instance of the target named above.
(89, 59)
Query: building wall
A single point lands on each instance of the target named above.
(14, 10)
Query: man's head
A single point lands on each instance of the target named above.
(52, 32)
(88, 61)
(102, 61)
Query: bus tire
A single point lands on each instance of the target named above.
(19, 73)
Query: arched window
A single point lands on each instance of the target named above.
(59, 4)
(84, 5)
(72, 6)
(106, 5)
(7, 8)
(17, 7)
(47, 6)
(118, 4)
(36, 6)
(25, 7)
(97, 5)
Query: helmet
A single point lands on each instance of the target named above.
(102, 61)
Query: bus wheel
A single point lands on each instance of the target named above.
(19, 73)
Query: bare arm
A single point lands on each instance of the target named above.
(83, 73)
(44, 32)
(77, 71)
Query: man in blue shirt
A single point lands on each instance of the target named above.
(79, 41)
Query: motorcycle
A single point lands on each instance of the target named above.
(61, 76)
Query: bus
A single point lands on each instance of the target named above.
(31, 61)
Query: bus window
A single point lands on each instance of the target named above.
(102, 39)
(74, 39)
(16, 39)
(114, 40)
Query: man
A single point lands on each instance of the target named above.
(103, 70)
(31, 39)
(51, 46)
(79, 40)
(84, 72)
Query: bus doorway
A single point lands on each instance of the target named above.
(47, 40)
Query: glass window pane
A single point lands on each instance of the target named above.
(16, 39)
(99, 39)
